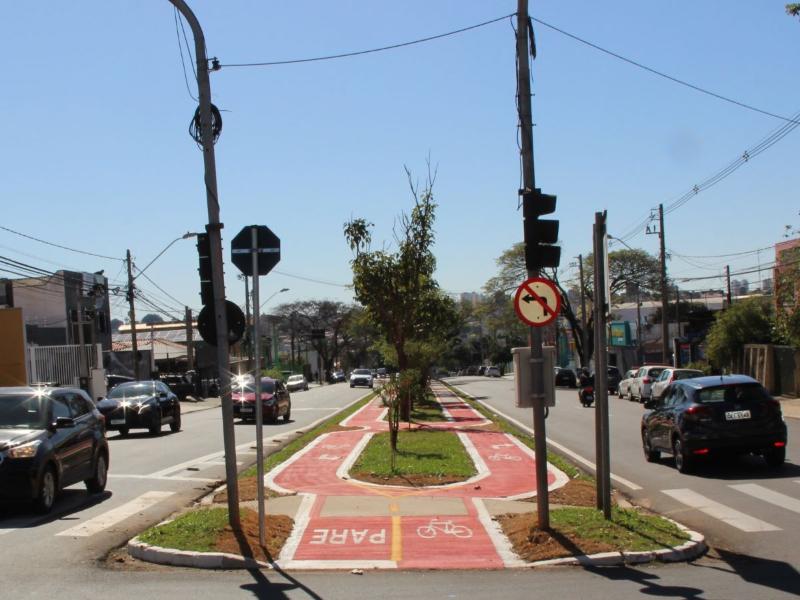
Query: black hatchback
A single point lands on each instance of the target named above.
(141, 405)
(724, 415)
(50, 438)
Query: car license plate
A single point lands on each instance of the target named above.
(118, 421)
(737, 415)
(246, 409)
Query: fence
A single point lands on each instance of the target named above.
(60, 364)
(776, 367)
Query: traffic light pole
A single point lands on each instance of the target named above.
(534, 333)
(214, 228)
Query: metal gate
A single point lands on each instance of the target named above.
(60, 365)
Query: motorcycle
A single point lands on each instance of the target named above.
(586, 391)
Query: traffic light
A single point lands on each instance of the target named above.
(206, 284)
(540, 234)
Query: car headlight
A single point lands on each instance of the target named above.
(25, 450)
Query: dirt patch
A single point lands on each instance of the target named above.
(577, 492)
(247, 491)
(532, 544)
(277, 530)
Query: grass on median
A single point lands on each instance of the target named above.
(429, 454)
(427, 410)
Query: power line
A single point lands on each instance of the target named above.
(311, 279)
(30, 237)
(668, 77)
(370, 51)
(723, 255)
(180, 49)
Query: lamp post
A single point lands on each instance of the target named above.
(185, 236)
(273, 350)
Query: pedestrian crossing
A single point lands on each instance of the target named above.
(733, 517)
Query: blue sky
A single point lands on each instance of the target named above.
(97, 154)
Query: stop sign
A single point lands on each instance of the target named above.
(267, 248)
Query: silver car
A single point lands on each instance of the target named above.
(640, 386)
(296, 383)
(625, 383)
(667, 376)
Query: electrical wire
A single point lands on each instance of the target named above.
(159, 288)
(697, 88)
(180, 49)
(362, 52)
(30, 237)
(312, 280)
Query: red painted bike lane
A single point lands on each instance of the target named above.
(345, 523)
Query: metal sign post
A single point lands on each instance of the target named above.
(257, 390)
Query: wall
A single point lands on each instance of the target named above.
(13, 370)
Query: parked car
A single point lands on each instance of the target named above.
(338, 376)
(725, 415)
(482, 370)
(113, 381)
(361, 377)
(613, 378)
(141, 405)
(276, 401)
(180, 385)
(382, 372)
(50, 438)
(296, 383)
(639, 388)
(492, 372)
(668, 376)
(625, 383)
(565, 377)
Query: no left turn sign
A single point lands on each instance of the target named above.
(537, 302)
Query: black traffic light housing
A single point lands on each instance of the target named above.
(540, 234)
(206, 283)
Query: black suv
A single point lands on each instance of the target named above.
(50, 438)
(730, 414)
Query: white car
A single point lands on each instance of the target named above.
(639, 388)
(492, 372)
(361, 377)
(668, 376)
(625, 383)
(296, 383)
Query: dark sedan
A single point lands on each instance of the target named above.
(141, 405)
(565, 377)
(726, 415)
(276, 401)
(50, 438)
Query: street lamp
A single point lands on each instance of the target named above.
(185, 236)
(271, 297)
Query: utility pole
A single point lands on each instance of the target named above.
(534, 333)
(214, 230)
(189, 340)
(584, 330)
(728, 280)
(132, 317)
(664, 291)
(639, 322)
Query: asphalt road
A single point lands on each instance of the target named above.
(740, 506)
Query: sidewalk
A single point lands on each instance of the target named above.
(189, 406)
(790, 407)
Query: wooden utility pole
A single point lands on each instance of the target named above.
(132, 317)
(728, 282)
(584, 330)
(534, 333)
(664, 291)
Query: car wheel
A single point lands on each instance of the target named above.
(175, 426)
(155, 425)
(46, 496)
(629, 395)
(650, 455)
(682, 461)
(351, 385)
(775, 457)
(123, 431)
(288, 415)
(97, 483)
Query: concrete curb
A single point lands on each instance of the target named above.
(189, 558)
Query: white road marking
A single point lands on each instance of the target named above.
(726, 514)
(767, 495)
(574, 455)
(116, 515)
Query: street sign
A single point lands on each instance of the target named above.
(207, 323)
(537, 302)
(268, 249)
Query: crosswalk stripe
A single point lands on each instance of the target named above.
(116, 515)
(726, 514)
(767, 495)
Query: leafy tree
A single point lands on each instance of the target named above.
(787, 297)
(115, 324)
(397, 289)
(793, 9)
(745, 322)
(152, 319)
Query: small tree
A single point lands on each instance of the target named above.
(395, 393)
(747, 322)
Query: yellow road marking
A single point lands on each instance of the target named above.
(397, 539)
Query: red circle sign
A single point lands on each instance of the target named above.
(537, 302)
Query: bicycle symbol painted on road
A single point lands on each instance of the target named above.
(509, 457)
(501, 446)
(436, 526)
(328, 457)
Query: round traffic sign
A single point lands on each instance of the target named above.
(537, 302)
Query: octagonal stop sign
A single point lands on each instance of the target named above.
(267, 247)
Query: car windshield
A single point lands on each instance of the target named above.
(23, 411)
(267, 386)
(362, 372)
(687, 374)
(133, 390)
(746, 392)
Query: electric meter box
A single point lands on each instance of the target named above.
(523, 380)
